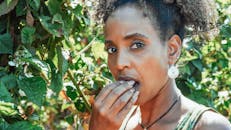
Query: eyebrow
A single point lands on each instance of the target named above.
(108, 42)
(129, 36)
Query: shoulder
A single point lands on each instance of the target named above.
(213, 121)
(209, 120)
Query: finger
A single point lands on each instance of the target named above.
(122, 101)
(115, 94)
(125, 110)
(106, 90)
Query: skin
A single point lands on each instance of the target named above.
(136, 52)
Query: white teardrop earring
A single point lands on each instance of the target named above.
(173, 72)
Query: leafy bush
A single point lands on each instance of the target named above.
(52, 64)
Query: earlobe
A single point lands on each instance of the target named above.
(174, 49)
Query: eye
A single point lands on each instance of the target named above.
(111, 50)
(137, 44)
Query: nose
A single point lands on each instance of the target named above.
(123, 60)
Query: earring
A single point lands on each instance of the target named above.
(173, 72)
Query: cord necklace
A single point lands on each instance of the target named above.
(164, 114)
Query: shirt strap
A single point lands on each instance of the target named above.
(191, 118)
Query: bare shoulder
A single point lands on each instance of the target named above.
(209, 120)
(213, 121)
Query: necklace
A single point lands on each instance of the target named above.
(164, 114)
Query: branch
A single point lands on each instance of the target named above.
(79, 90)
(87, 47)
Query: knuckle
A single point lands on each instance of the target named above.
(131, 91)
(107, 88)
(126, 86)
(117, 121)
(121, 101)
(96, 104)
(115, 92)
(103, 112)
(97, 98)
(112, 85)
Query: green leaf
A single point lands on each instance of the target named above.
(62, 62)
(53, 28)
(56, 82)
(8, 1)
(7, 5)
(70, 119)
(57, 18)
(37, 64)
(27, 35)
(23, 125)
(197, 63)
(71, 93)
(98, 50)
(4, 93)
(9, 81)
(56, 79)
(68, 25)
(34, 88)
(3, 124)
(80, 106)
(3, 24)
(6, 44)
(185, 69)
(78, 10)
(35, 4)
(21, 8)
(7, 109)
(54, 6)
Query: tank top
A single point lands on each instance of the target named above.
(191, 118)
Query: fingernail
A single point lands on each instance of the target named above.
(131, 83)
(121, 81)
(132, 90)
(135, 97)
(136, 93)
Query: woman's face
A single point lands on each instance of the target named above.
(135, 51)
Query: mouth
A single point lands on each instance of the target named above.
(136, 85)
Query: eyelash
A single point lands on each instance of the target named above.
(108, 50)
(139, 44)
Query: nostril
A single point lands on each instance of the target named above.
(122, 64)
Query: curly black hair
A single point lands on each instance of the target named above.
(171, 16)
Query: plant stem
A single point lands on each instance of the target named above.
(87, 47)
(44, 77)
(8, 23)
(79, 90)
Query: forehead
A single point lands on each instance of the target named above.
(130, 10)
(129, 19)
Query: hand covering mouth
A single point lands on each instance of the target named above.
(130, 80)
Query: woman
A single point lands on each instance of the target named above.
(143, 39)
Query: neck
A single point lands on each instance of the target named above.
(160, 103)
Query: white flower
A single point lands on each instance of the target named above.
(11, 63)
(89, 3)
(224, 42)
(66, 54)
(223, 94)
(185, 42)
(49, 93)
(74, 3)
(21, 93)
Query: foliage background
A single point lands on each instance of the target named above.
(52, 64)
